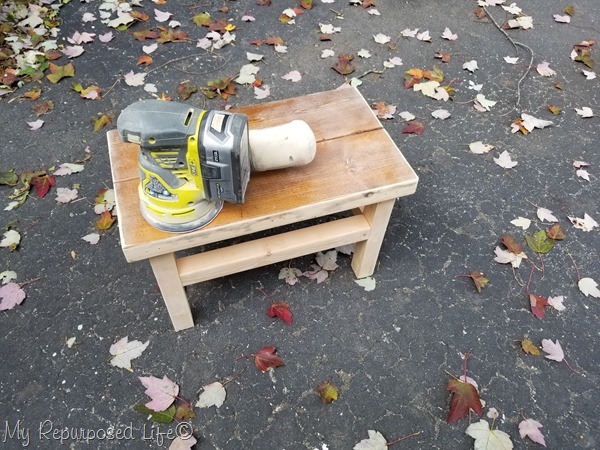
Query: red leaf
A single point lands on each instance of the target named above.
(415, 127)
(537, 305)
(281, 310)
(465, 397)
(344, 65)
(105, 221)
(42, 184)
(556, 232)
(512, 245)
(266, 359)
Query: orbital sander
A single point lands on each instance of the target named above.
(192, 160)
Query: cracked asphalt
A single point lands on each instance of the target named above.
(390, 351)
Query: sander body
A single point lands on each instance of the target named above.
(192, 160)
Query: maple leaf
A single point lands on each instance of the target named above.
(585, 112)
(367, 283)
(521, 222)
(66, 195)
(464, 398)
(185, 89)
(588, 286)
(544, 70)
(538, 304)
(327, 260)
(142, 35)
(441, 114)
(504, 160)
(165, 416)
(415, 127)
(428, 88)
(134, 79)
(555, 232)
(43, 107)
(214, 395)
(124, 351)
(35, 125)
(447, 34)
(539, 242)
(10, 240)
(183, 443)
(529, 347)
(57, 73)
(376, 441)
(553, 350)
(266, 359)
(384, 111)
(545, 214)
(586, 223)
(480, 148)
(557, 302)
(7, 276)
(316, 273)
(488, 439)
(290, 275)
(281, 310)
(11, 295)
(381, 38)
(42, 184)
(105, 221)
(344, 65)
(327, 391)
(531, 428)
(471, 66)
(293, 76)
(92, 238)
(184, 412)
(170, 35)
(479, 280)
(162, 392)
(102, 121)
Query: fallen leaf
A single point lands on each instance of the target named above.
(344, 65)
(582, 173)
(384, 111)
(42, 184)
(368, 283)
(124, 351)
(588, 286)
(183, 443)
(36, 125)
(92, 238)
(471, 66)
(57, 73)
(381, 38)
(66, 195)
(521, 222)
(557, 302)
(424, 36)
(161, 16)
(441, 114)
(488, 439)
(483, 103)
(266, 359)
(447, 34)
(101, 121)
(539, 242)
(414, 127)
(11, 295)
(585, 112)
(511, 59)
(327, 391)
(531, 428)
(544, 70)
(465, 397)
(529, 347)
(480, 148)
(530, 122)
(553, 350)
(407, 116)
(105, 221)
(7, 276)
(290, 275)
(555, 232)
(479, 280)
(585, 224)
(214, 395)
(293, 76)
(409, 33)
(185, 89)
(134, 79)
(281, 310)
(538, 305)
(562, 19)
(165, 416)
(505, 161)
(73, 51)
(376, 441)
(162, 392)
(68, 169)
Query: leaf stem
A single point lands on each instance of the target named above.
(575, 265)
(530, 277)
(403, 438)
(265, 294)
(569, 366)
(25, 283)
(465, 365)
(234, 378)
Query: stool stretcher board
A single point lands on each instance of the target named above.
(357, 168)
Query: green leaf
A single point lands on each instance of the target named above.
(9, 178)
(165, 416)
(539, 242)
(57, 73)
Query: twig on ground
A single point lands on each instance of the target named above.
(515, 44)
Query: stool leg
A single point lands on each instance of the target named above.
(173, 292)
(366, 252)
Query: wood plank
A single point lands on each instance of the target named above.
(330, 114)
(262, 252)
(165, 271)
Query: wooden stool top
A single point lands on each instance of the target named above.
(356, 164)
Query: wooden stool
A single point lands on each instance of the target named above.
(357, 167)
